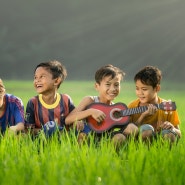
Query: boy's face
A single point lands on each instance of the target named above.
(146, 93)
(108, 88)
(43, 81)
(2, 92)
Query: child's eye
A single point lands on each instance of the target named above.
(36, 77)
(43, 76)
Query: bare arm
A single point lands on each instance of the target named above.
(150, 111)
(16, 128)
(168, 125)
(177, 130)
(80, 112)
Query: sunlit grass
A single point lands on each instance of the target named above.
(62, 161)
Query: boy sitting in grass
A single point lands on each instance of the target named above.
(153, 121)
(107, 83)
(11, 112)
(49, 108)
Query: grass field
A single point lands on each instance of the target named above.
(23, 161)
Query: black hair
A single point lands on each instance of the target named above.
(108, 70)
(149, 75)
(56, 68)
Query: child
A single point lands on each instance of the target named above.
(153, 121)
(11, 112)
(48, 109)
(107, 83)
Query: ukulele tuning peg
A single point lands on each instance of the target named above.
(169, 101)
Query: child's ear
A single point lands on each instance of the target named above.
(96, 85)
(57, 81)
(158, 88)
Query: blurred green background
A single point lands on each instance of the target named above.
(86, 34)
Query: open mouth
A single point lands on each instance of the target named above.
(38, 86)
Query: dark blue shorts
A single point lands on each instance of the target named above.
(86, 129)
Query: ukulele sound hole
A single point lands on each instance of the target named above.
(116, 114)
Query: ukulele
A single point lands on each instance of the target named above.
(118, 114)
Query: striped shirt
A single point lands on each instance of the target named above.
(38, 112)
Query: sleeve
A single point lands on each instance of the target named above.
(133, 104)
(18, 112)
(30, 116)
(68, 103)
(173, 117)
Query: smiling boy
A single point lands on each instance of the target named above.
(153, 121)
(108, 84)
(11, 112)
(49, 107)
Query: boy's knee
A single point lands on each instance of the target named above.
(146, 131)
(131, 129)
(147, 134)
(118, 138)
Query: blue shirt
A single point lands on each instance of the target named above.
(14, 112)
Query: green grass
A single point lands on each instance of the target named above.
(23, 161)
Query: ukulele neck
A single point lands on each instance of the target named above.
(136, 110)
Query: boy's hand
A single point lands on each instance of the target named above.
(13, 128)
(164, 125)
(79, 125)
(98, 115)
(151, 110)
(167, 125)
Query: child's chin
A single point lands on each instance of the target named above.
(39, 91)
(143, 101)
